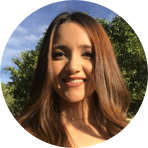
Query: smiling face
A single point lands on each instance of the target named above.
(73, 63)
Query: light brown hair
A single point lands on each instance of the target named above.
(40, 115)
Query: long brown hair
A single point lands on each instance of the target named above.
(40, 114)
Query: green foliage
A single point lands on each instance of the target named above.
(37, 48)
(130, 56)
(21, 78)
(85, 12)
(8, 98)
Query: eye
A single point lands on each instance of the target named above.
(59, 54)
(89, 54)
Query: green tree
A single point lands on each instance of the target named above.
(21, 78)
(131, 58)
(85, 12)
(8, 98)
(38, 46)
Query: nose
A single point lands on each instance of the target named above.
(73, 65)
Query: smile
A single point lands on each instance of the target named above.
(73, 82)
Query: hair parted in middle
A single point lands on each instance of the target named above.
(40, 114)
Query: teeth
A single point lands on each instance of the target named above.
(75, 81)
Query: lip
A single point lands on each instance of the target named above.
(74, 84)
(73, 78)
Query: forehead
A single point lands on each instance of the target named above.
(71, 33)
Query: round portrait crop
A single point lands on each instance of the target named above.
(78, 90)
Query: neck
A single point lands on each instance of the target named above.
(73, 111)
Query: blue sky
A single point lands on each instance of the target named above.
(29, 31)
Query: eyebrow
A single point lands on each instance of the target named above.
(66, 47)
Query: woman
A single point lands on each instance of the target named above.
(78, 90)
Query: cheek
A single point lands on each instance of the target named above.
(89, 70)
(56, 72)
(57, 68)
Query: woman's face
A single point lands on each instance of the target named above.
(73, 63)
